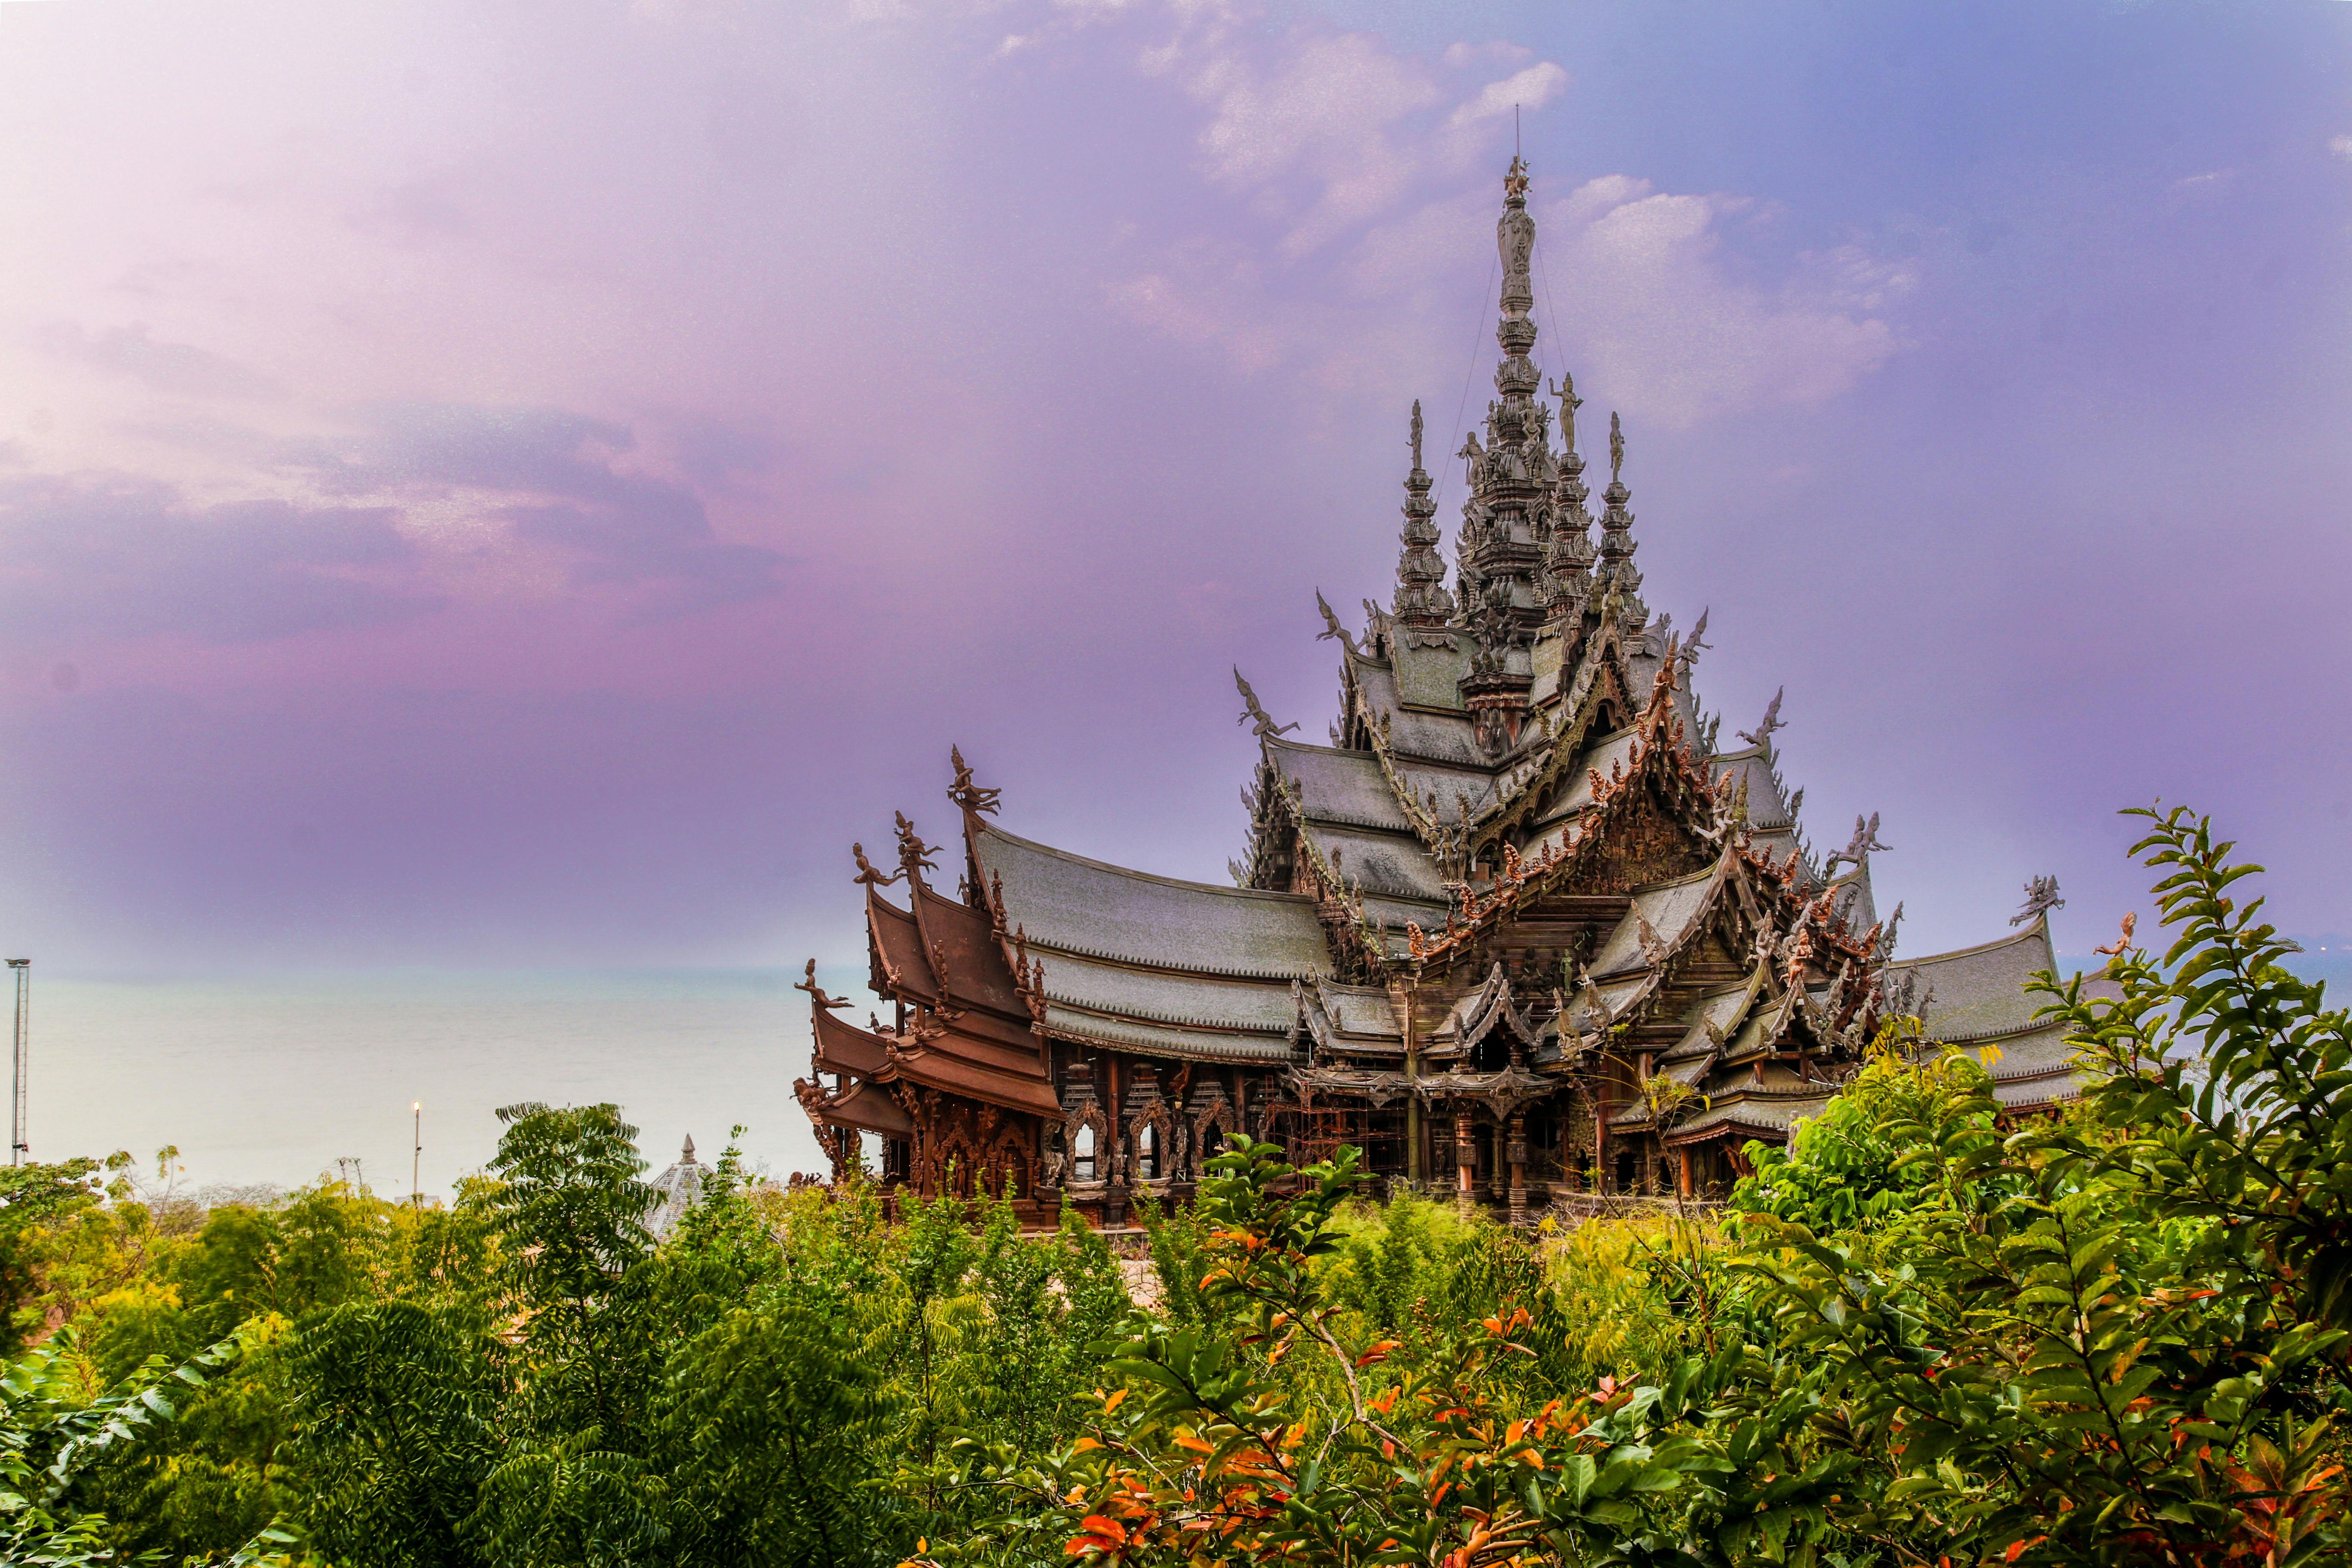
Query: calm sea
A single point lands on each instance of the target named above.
(274, 1081)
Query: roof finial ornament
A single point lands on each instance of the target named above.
(1858, 848)
(1416, 432)
(686, 1155)
(818, 993)
(1616, 450)
(867, 875)
(1514, 181)
(914, 854)
(1332, 629)
(2041, 897)
(1252, 713)
(966, 794)
(1762, 734)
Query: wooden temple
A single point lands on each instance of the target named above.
(1524, 932)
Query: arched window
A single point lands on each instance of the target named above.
(1146, 1153)
(1085, 1154)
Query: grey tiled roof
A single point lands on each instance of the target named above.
(1384, 863)
(1766, 808)
(1340, 786)
(1721, 1008)
(1149, 995)
(1164, 1039)
(1075, 905)
(1669, 907)
(1601, 754)
(680, 1189)
(1431, 677)
(1979, 992)
(1360, 1009)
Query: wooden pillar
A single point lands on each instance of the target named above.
(1113, 1152)
(1412, 1168)
(1515, 1149)
(1465, 1163)
(1603, 1179)
(1682, 1172)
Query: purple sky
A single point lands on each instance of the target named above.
(528, 484)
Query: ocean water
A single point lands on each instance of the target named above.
(272, 1080)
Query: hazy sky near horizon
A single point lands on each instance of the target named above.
(529, 483)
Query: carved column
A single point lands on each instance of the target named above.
(1682, 1172)
(1401, 1003)
(1514, 1150)
(1465, 1163)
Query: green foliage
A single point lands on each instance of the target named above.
(57, 1435)
(1921, 1334)
(32, 1197)
(1862, 1162)
(2114, 1338)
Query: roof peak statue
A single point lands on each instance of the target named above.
(1521, 844)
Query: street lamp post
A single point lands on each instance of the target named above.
(23, 971)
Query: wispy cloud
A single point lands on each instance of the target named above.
(134, 352)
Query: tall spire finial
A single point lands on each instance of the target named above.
(1505, 517)
(1568, 561)
(1420, 596)
(1617, 569)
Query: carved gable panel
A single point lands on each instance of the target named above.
(1643, 846)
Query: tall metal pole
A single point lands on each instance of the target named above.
(416, 1156)
(22, 973)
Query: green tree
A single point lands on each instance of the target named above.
(2119, 1337)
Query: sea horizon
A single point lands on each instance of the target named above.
(279, 1079)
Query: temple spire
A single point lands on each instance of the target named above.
(1503, 521)
(1420, 596)
(1567, 564)
(1618, 572)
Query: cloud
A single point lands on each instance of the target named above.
(1531, 88)
(1321, 119)
(1681, 339)
(559, 481)
(2341, 146)
(178, 369)
(1499, 52)
(114, 557)
(1355, 163)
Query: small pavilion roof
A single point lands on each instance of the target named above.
(1669, 909)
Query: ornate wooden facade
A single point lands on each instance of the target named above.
(1523, 930)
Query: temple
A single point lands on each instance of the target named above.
(1526, 931)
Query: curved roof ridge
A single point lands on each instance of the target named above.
(1043, 948)
(1153, 1015)
(1222, 889)
(2040, 928)
(1289, 745)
